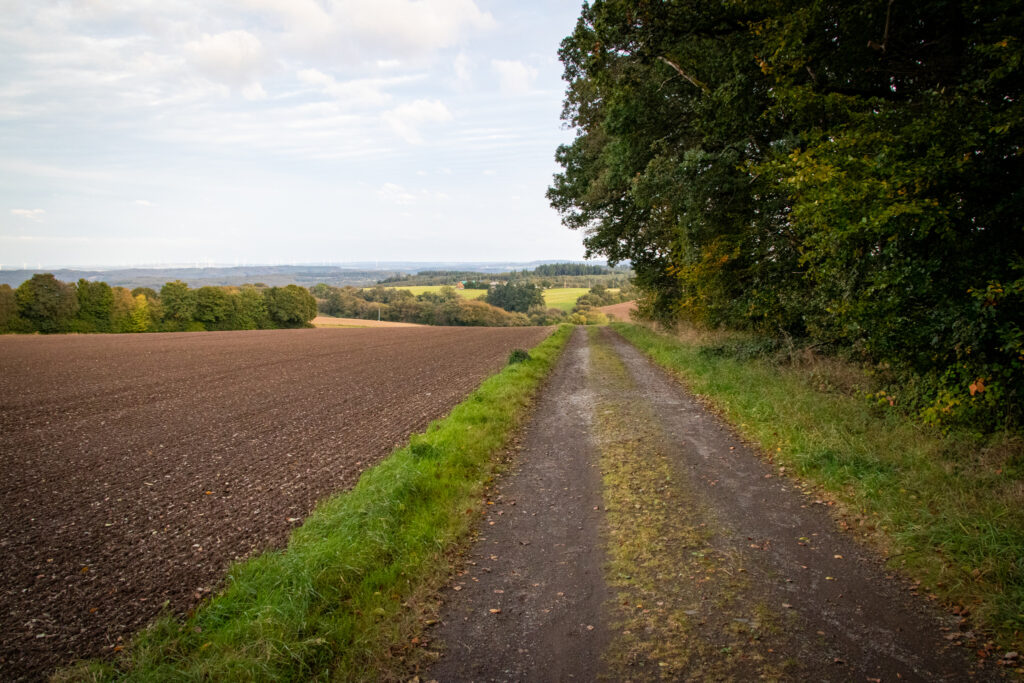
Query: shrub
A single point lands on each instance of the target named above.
(518, 356)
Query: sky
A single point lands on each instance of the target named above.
(156, 132)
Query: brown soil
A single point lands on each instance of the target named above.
(330, 321)
(755, 579)
(136, 468)
(620, 312)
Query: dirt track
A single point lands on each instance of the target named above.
(715, 567)
(137, 467)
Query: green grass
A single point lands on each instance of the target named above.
(345, 599)
(464, 293)
(947, 508)
(563, 298)
(560, 298)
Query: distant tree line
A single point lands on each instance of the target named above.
(45, 304)
(436, 277)
(520, 304)
(546, 276)
(554, 269)
(444, 307)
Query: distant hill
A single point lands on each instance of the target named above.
(359, 274)
(199, 277)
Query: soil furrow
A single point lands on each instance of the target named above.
(137, 467)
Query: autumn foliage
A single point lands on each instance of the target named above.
(847, 175)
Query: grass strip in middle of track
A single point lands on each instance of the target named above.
(345, 599)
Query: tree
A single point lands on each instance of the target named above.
(179, 303)
(519, 298)
(139, 317)
(46, 303)
(213, 307)
(121, 310)
(95, 300)
(10, 321)
(249, 309)
(290, 306)
(842, 172)
(150, 293)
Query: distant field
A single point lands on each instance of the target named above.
(464, 293)
(563, 298)
(330, 321)
(619, 312)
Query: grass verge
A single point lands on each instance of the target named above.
(947, 509)
(346, 599)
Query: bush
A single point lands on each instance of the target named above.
(518, 355)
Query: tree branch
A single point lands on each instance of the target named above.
(885, 36)
(685, 75)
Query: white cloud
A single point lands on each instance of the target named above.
(233, 57)
(366, 92)
(254, 92)
(30, 214)
(514, 77)
(377, 31)
(395, 194)
(112, 108)
(407, 119)
(463, 69)
(415, 25)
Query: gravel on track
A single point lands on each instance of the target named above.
(136, 468)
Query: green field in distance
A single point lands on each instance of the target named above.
(563, 298)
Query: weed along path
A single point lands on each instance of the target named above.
(636, 538)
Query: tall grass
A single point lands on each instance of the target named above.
(948, 508)
(347, 596)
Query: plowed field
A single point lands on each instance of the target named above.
(135, 468)
(619, 312)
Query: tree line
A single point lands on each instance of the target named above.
(442, 307)
(554, 269)
(504, 305)
(45, 304)
(545, 275)
(847, 175)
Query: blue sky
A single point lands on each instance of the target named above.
(280, 131)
